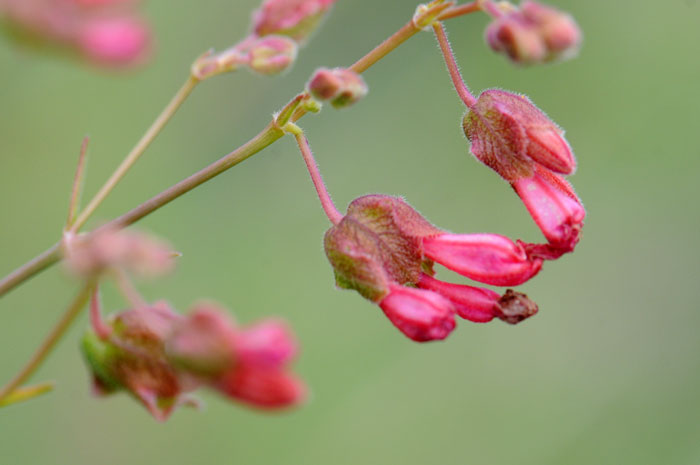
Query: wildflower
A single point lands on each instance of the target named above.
(534, 33)
(272, 54)
(342, 87)
(385, 250)
(293, 18)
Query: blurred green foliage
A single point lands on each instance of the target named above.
(607, 373)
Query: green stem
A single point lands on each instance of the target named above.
(54, 336)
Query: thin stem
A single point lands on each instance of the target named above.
(102, 330)
(54, 336)
(452, 66)
(460, 10)
(266, 137)
(137, 151)
(26, 393)
(77, 184)
(326, 202)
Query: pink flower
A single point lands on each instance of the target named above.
(385, 250)
(534, 33)
(342, 87)
(294, 18)
(272, 54)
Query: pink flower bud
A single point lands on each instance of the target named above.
(554, 206)
(204, 343)
(535, 33)
(114, 41)
(509, 134)
(486, 258)
(421, 315)
(342, 87)
(272, 54)
(94, 253)
(267, 344)
(482, 305)
(262, 388)
(294, 18)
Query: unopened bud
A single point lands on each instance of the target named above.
(342, 87)
(272, 54)
(115, 41)
(293, 18)
(421, 315)
(509, 134)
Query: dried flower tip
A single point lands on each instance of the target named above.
(342, 87)
(534, 33)
(509, 134)
(421, 315)
(515, 307)
(293, 18)
(101, 250)
(272, 54)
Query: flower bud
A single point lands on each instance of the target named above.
(114, 41)
(293, 18)
(471, 303)
(534, 33)
(556, 209)
(268, 344)
(272, 54)
(133, 359)
(509, 134)
(262, 388)
(342, 87)
(421, 315)
(486, 258)
(94, 253)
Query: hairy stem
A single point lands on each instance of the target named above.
(54, 336)
(137, 151)
(77, 184)
(452, 66)
(326, 202)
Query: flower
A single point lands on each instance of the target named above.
(342, 87)
(272, 54)
(534, 33)
(385, 250)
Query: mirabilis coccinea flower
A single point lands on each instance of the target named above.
(509, 134)
(385, 250)
(159, 357)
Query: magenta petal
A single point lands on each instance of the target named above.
(487, 258)
(471, 303)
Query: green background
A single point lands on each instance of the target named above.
(606, 373)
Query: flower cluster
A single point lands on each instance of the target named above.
(105, 32)
(159, 357)
(533, 33)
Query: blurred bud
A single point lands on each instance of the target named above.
(204, 344)
(133, 359)
(115, 41)
(557, 210)
(94, 253)
(342, 87)
(486, 258)
(293, 18)
(421, 315)
(268, 344)
(534, 33)
(266, 389)
(272, 54)
(509, 134)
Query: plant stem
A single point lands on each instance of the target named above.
(54, 336)
(26, 393)
(77, 184)
(452, 66)
(137, 151)
(266, 137)
(326, 202)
